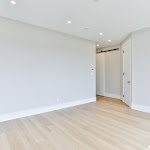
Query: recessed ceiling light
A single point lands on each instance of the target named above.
(13, 2)
(101, 33)
(69, 22)
(97, 45)
(109, 40)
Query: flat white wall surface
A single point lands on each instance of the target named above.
(100, 74)
(39, 67)
(140, 67)
(112, 63)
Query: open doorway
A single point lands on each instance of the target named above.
(108, 65)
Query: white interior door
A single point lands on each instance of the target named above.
(127, 73)
(100, 74)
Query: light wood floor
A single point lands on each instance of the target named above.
(107, 124)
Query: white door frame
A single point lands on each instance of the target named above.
(128, 41)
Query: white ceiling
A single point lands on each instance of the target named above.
(115, 18)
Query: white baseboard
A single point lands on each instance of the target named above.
(113, 95)
(25, 113)
(121, 98)
(140, 108)
(100, 93)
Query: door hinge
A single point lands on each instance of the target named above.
(123, 52)
(123, 95)
(123, 73)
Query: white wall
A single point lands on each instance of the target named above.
(39, 67)
(140, 72)
(100, 74)
(140, 67)
(112, 72)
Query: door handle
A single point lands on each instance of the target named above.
(128, 82)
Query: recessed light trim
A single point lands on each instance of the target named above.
(13, 2)
(100, 33)
(97, 45)
(69, 22)
(109, 40)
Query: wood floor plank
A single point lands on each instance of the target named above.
(37, 134)
(4, 142)
(79, 134)
(84, 124)
(107, 124)
(26, 137)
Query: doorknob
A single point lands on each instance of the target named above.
(128, 81)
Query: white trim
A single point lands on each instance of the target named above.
(113, 95)
(25, 113)
(121, 97)
(128, 41)
(140, 108)
(101, 94)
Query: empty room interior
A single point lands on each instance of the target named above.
(74, 75)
